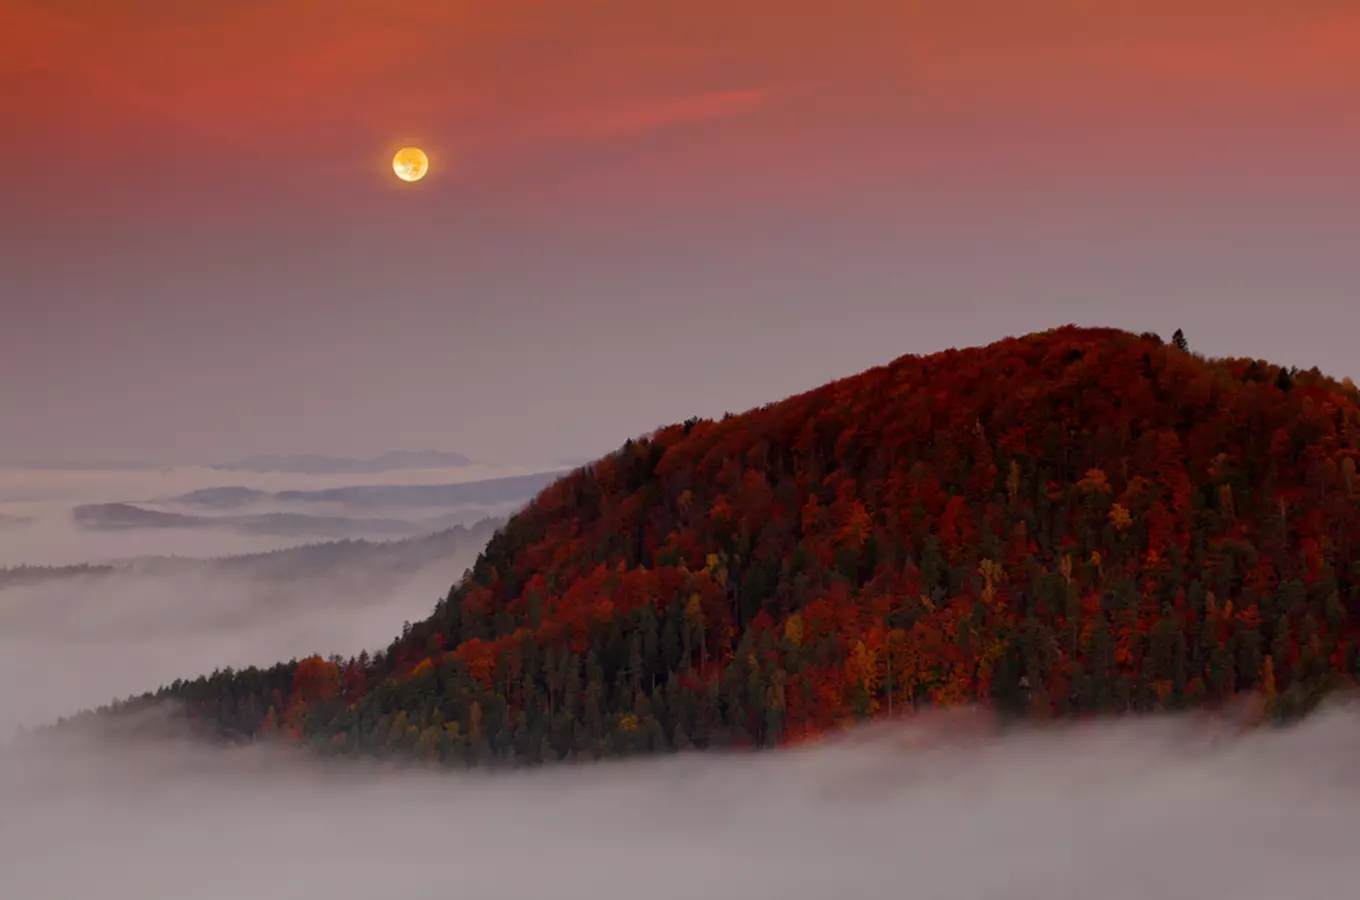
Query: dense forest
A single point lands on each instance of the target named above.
(1075, 522)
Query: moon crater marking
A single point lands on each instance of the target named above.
(410, 164)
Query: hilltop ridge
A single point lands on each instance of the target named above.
(1079, 521)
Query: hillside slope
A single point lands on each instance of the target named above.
(1078, 521)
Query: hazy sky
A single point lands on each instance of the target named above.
(637, 211)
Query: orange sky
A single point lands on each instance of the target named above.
(520, 97)
(800, 189)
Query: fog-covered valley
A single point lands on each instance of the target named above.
(940, 807)
(69, 516)
(944, 808)
(93, 610)
(88, 637)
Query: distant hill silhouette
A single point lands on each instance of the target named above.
(280, 565)
(122, 516)
(489, 491)
(126, 515)
(231, 508)
(435, 496)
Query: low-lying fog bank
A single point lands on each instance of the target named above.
(936, 809)
(80, 642)
(68, 517)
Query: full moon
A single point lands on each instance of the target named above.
(410, 164)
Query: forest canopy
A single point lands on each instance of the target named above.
(1075, 522)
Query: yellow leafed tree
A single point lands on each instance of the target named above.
(1119, 517)
(1095, 481)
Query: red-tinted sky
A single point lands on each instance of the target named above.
(637, 210)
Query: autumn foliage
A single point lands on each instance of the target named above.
(1075, 522)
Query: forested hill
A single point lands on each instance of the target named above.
(1078, 521)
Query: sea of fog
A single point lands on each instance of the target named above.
(938, 808)
(37, 526)
(935, 809)
(77, 642)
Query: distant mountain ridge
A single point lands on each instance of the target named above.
(109, 516)
(320, 464)
(491, 490)
(361, 514)
(291, 562)
(126, 515)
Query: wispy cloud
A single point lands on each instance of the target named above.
(504, 85)
(657, 114)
